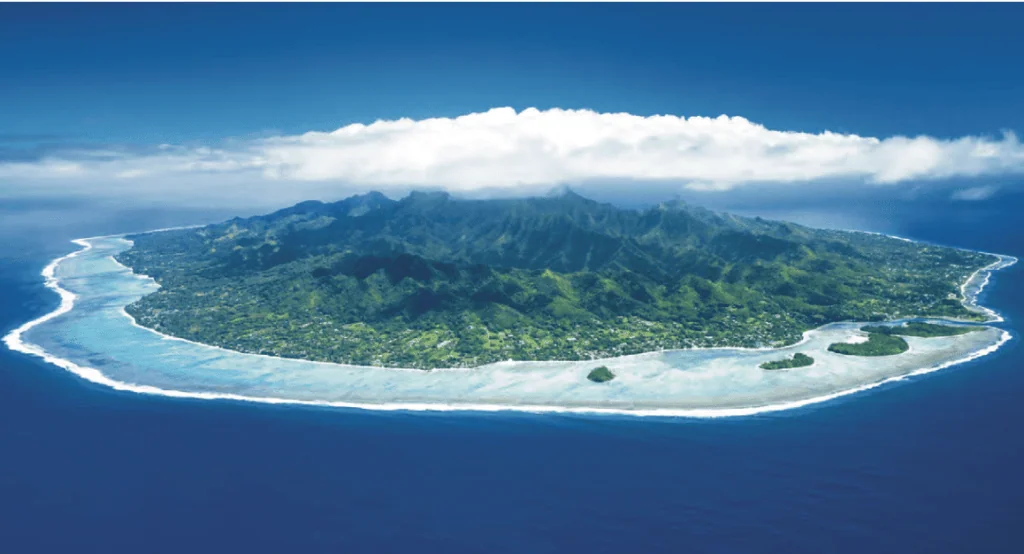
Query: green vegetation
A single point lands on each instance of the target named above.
(878, 344)
(798, 360)
(432, 281)
(600, 374)
(919, 329)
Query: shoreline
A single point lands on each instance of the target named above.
(971, 303)
(13, 341)
(968, 302)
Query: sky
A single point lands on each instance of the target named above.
(272, 104)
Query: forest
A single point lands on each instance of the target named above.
(432, 281)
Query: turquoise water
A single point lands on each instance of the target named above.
(98, 340)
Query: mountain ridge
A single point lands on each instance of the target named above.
(554, 277)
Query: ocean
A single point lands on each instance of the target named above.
(928, 464)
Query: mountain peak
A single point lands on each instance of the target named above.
(361, 204)
(674, 204)
(564, 191)
(372, 195)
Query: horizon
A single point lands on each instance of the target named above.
(271, 105)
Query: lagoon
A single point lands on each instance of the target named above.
(92, 336)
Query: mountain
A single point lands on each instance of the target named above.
(436, 281)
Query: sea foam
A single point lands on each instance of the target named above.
(15, 341)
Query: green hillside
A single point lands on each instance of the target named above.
(434, 281)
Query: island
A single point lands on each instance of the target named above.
(798, 360)
(920, 329)
(434, 281)
(92, 335)
(878, 344)
(600, 374)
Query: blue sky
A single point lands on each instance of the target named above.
(136, 76)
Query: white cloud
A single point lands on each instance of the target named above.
(502, 149)
(975, 193)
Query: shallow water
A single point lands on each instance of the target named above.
(96, 337)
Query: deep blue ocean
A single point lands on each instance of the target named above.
(931, 464)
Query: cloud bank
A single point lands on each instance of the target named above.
(975, 193)
(526, 151)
